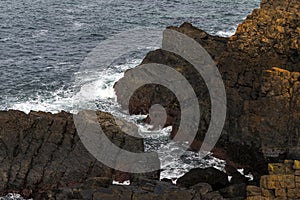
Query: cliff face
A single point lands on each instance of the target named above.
(262, 101)
(260, 67)
(271, 30)
(42, 151)
(273, 118)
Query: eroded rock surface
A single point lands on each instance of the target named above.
(41, 151)
(262, 101)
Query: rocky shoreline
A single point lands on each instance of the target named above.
(42, 156)
(260, 67)
(47, 160)
(42, 151)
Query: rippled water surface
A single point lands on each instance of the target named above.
(43, 43)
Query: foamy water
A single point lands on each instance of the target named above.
(13, 196)
(94, 90)
(43, 45)
(101, 90)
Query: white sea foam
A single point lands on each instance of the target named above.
(98, 86)
(175, 160)
(102, 89)
(13, 196)
(124, 183)
(241, 171)
(40, 33)
(95, 91)
(250, 176)
(226, 33)
(95, 88)
(55, 102)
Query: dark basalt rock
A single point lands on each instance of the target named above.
(262, 101)
(42, 156)
(202, 188)
(212, 176)
(42, 151)
(150, 190)
(147, 190)
(234, 191)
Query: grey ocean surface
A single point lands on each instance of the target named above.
(43, 43)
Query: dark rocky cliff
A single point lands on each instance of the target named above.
(42, 151)
(260, 67)
(42, 156)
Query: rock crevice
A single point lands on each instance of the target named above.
(42, 151)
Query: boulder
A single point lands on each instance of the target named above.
(212, 176)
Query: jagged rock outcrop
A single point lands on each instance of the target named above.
(42, 156)
(262, 108)
(262, 101)
(42, 151)
(271, 30)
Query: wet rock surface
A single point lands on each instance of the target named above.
(259, 65)
(41, 151)
(147, 189)
(42, 156)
